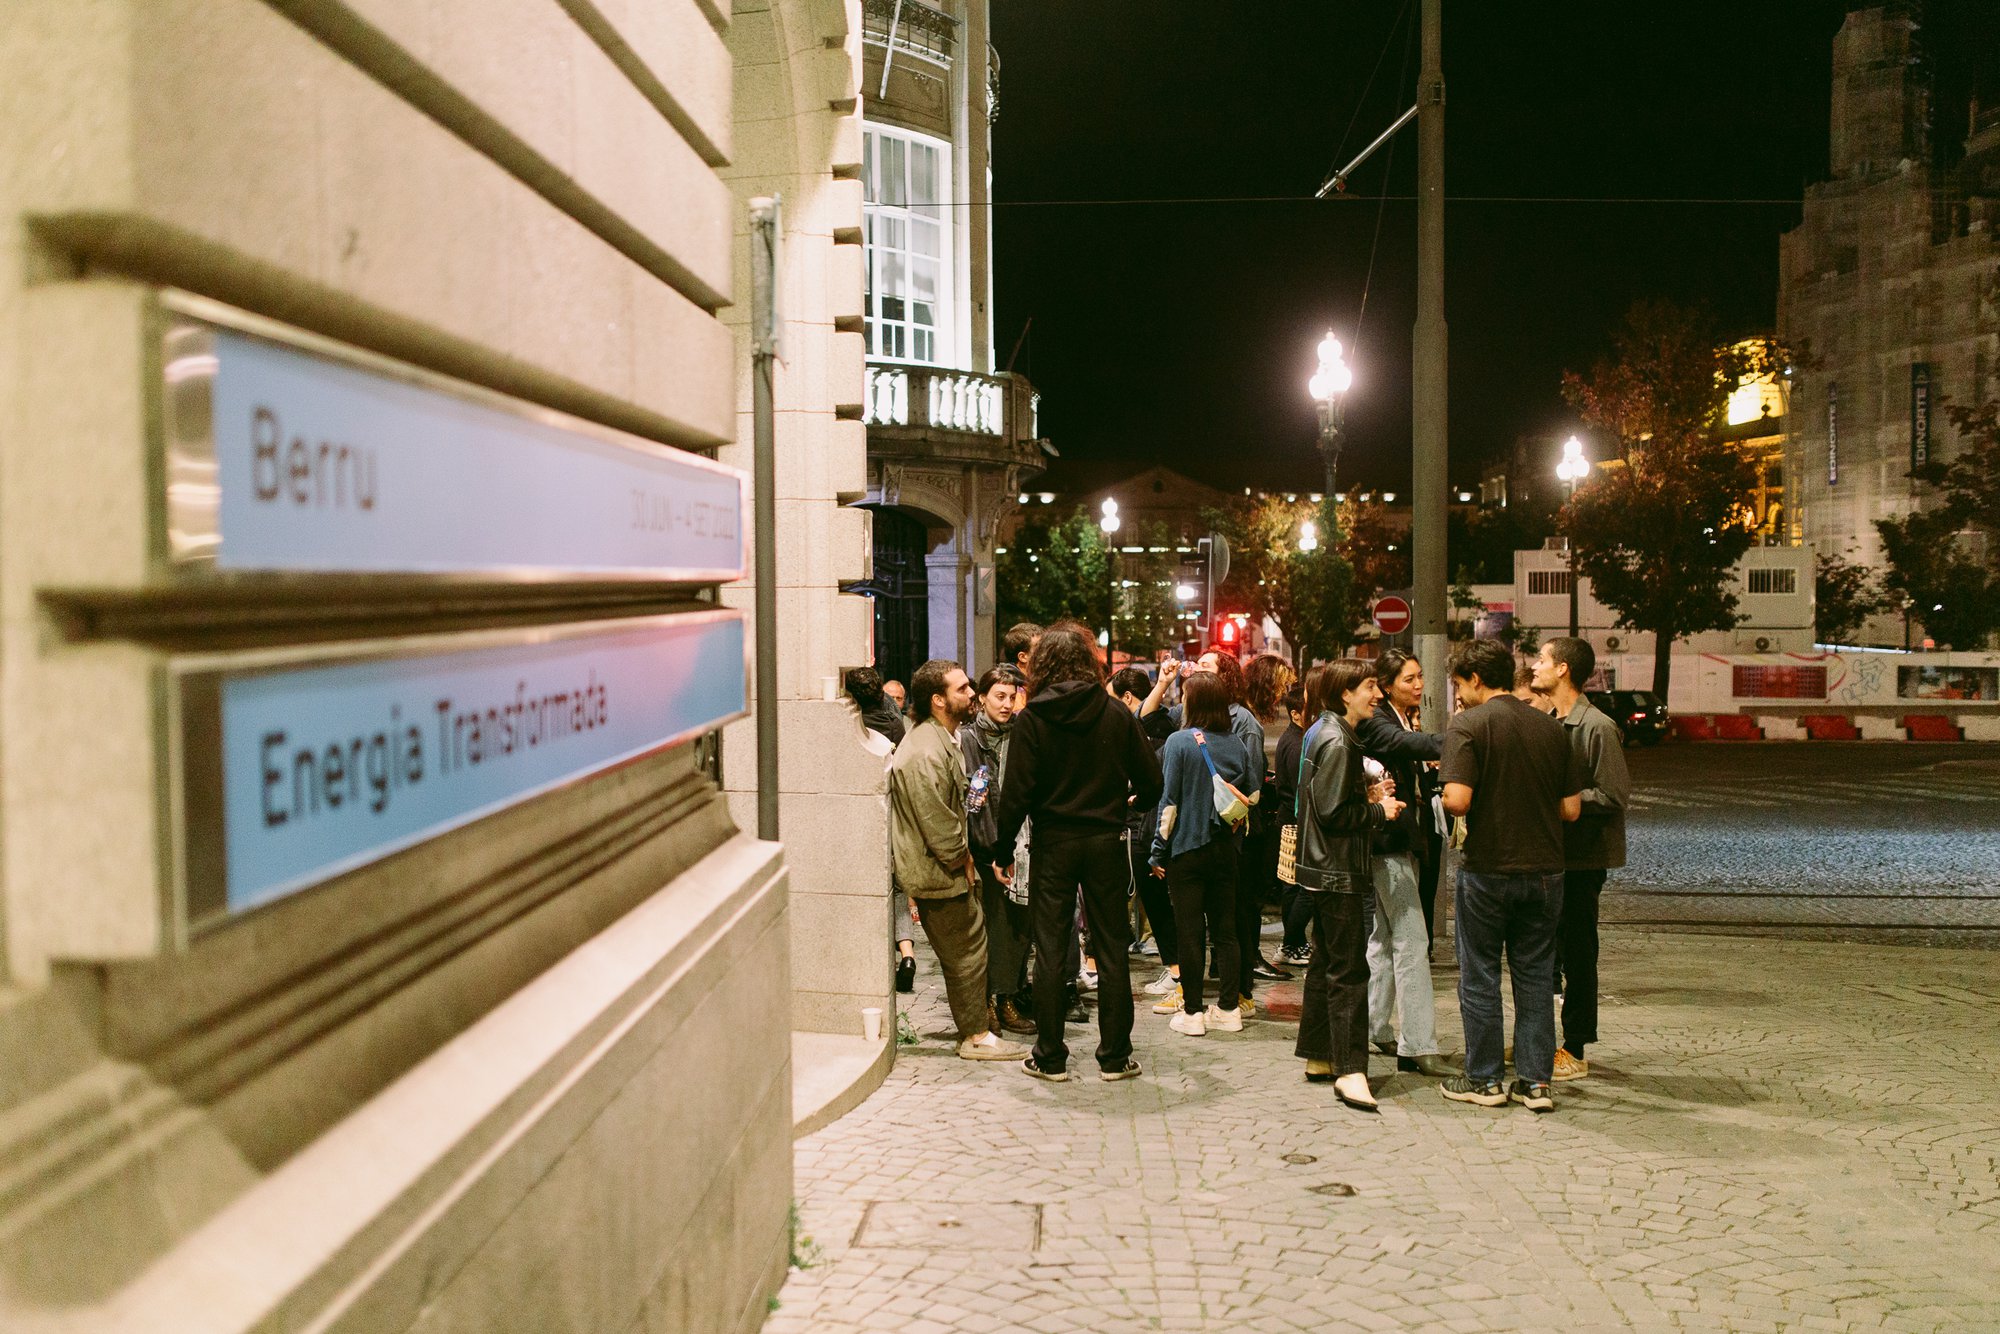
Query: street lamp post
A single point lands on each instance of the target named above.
(1573, 469)
(1109, 521)
(1327, 386)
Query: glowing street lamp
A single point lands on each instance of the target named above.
(1573, 468)
(1328, 386)
(1308, 536)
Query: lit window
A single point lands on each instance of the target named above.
(906, 260)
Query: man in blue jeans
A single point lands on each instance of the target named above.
(1510, 774)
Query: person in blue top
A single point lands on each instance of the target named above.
(1249, 909)
(1196, 851)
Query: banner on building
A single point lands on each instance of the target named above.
(1920, 415)
(1832, 434)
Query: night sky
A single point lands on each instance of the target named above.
(1183, 332)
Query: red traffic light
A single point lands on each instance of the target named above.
(1226, 632)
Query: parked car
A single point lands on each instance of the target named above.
(1640, 714)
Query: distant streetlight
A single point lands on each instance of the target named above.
(1308, 536)
(1109, 521)
(1573, 468)
(1185, 592)
(1328, 386)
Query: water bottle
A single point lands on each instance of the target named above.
(975, 790)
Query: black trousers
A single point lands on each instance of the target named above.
(1257, 874)
(1094, 866)
(1333, 1016)
(1576, 953)
(1153, 894)
(1203, 884)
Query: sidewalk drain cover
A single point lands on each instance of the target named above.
(969, 1225)
(1335, 1188)
(1300, 1158)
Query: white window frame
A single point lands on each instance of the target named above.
(1778, 580)
(894, 233)
(1548, 583)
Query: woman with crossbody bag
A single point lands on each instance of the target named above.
(1211, 784)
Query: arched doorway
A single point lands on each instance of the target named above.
(900, 590)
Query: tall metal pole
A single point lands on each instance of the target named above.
(1428, 470)
(764, 485)
(1569, 554)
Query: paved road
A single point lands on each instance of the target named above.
(1777, 1135)
(1856, 840)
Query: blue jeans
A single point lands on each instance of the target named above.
(1518, 915)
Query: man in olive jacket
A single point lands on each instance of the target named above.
(929, 854)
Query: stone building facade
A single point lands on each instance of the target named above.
(1889, 289)
(529, 1065)
(952, 434)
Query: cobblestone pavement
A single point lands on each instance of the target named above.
(1861, 840)
(1777, 1135)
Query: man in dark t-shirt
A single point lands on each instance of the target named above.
(1509, 772)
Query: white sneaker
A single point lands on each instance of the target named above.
(1169, 1003)
(1191, 1024)
(1162, 984)
(1228, 1021)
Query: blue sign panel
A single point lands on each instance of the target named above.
(349, 465)
(327, 766)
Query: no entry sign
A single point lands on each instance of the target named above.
(1392, 615)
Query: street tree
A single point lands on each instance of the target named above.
(1054, 571)
(1844, 596)
(1944, 559)
(1308, 593)
(1377, 554)
(1149, 616)
(1659, 529)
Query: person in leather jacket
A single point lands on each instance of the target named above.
(1338, 818)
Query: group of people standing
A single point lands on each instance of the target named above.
(1202, 788)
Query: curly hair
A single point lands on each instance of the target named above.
(1265, 681)
(865, 685)
(1065, 652)
(1231, 672)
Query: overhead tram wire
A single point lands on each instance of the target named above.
(1191, 200)
(1382, 212)
(1389, 40)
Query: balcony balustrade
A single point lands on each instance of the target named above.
(1004, 407)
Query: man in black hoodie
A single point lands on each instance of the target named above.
(1077, 763)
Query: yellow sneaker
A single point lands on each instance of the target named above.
(1570, 1067)
(1246, 1007)
(1169, 1003)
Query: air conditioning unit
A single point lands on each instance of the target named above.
(1613, 643)
(1763, 644)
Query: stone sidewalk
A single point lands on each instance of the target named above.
(1776, 1136)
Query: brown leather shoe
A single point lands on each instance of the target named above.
(1437, 1067)
(1011, 1018)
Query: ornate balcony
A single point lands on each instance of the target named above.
(932, 412)
(911, 27)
